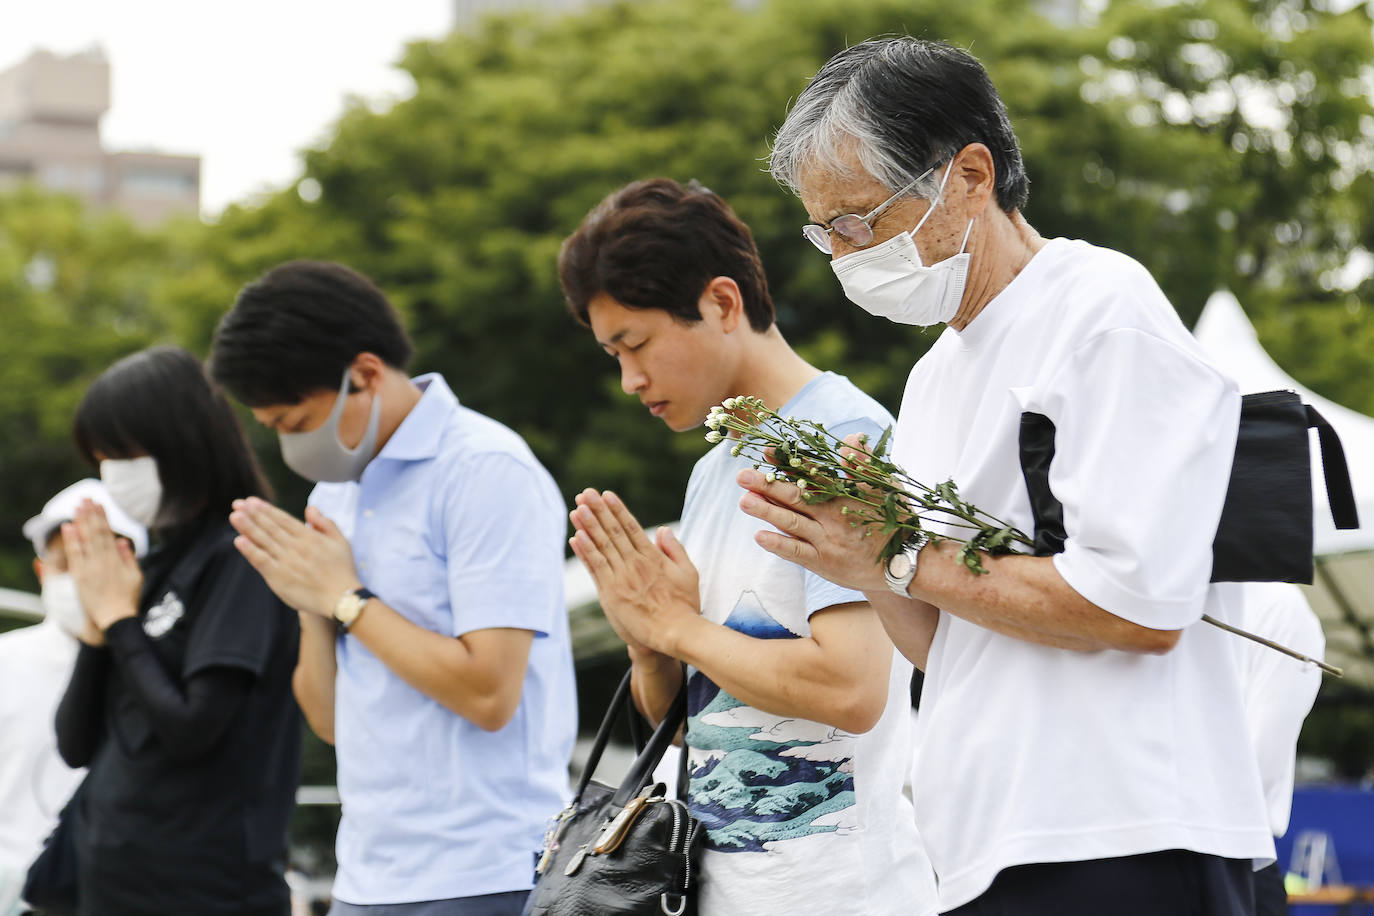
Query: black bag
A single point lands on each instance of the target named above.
(1265, 532)
(628, 851)
(50, 885)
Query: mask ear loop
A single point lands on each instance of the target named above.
(967, 232)
(939, 199)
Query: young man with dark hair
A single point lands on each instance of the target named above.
(428, 576)
(798, 729)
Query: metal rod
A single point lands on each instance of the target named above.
(1329, 669)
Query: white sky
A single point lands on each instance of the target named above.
(246, 84)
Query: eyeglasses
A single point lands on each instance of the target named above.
(855, 230)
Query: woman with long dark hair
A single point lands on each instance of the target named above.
(180, 702)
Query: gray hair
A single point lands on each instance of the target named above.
(899, 106)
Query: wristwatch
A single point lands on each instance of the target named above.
(349, 606)
(901, 568)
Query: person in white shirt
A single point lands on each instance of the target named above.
(35, 663)
(1279, 692)
(798, 724)
(1083, 748)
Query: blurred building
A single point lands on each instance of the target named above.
(50, 111)
(467, 13)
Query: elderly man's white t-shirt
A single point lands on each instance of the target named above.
(1034, 754)
(1279, 690)
(801, 818)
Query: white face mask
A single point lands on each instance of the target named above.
(134, 485)
(62, 603)
(320, 456)
(891, 281)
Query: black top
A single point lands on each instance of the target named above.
(188, 725)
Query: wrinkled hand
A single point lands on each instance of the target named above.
(817, 537)
(309, 564)
(644, 586)
(107, 575)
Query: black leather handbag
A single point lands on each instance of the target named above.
(625, 851)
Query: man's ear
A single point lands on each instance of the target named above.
(977, 177)
(723, 297)
(367, 371)
(38, 569)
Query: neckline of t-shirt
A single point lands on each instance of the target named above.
(999, 314)
(790, 406)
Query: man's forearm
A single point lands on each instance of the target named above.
(478, 675)
(837, 676)
(910, 623)
(655, 682)
(313, 681)
(1026, 598)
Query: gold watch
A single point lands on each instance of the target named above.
(349, 606)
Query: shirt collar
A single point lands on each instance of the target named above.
(418, 436)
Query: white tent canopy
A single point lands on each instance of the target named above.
(1343, 594)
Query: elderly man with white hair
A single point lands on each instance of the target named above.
(1083, 744)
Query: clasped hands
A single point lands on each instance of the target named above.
(108, 578)
(648, 588)
(307, 564)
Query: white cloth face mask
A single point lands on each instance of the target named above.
(891, 281)
(62, 603)
(135, 485)
(320, 456)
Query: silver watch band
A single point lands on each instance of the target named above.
(910, 551)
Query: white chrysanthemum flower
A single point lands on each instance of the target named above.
(736, 450)
(770, 477)
(795, 462)
(730, 403)
(801, 483)
(713, 437)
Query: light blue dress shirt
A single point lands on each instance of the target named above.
(456, 526)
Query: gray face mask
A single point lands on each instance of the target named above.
(319, 455)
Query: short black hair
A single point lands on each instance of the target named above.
(296, 329)
(159, 402)
(906, 105)
(656, 244)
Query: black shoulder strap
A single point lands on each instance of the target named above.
(642, 770)
(649, 754)
(603, 734)
(1339, 492)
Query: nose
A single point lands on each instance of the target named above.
(632, 377)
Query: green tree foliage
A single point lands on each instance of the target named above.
(1224, 143)
(1221, 142)
(74, 292)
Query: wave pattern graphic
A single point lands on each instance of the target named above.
(757, 778)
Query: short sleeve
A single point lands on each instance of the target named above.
(503, 526)
(822, 593)
(237, 618)
(1145, 433)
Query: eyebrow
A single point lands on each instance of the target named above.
(615, 338)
